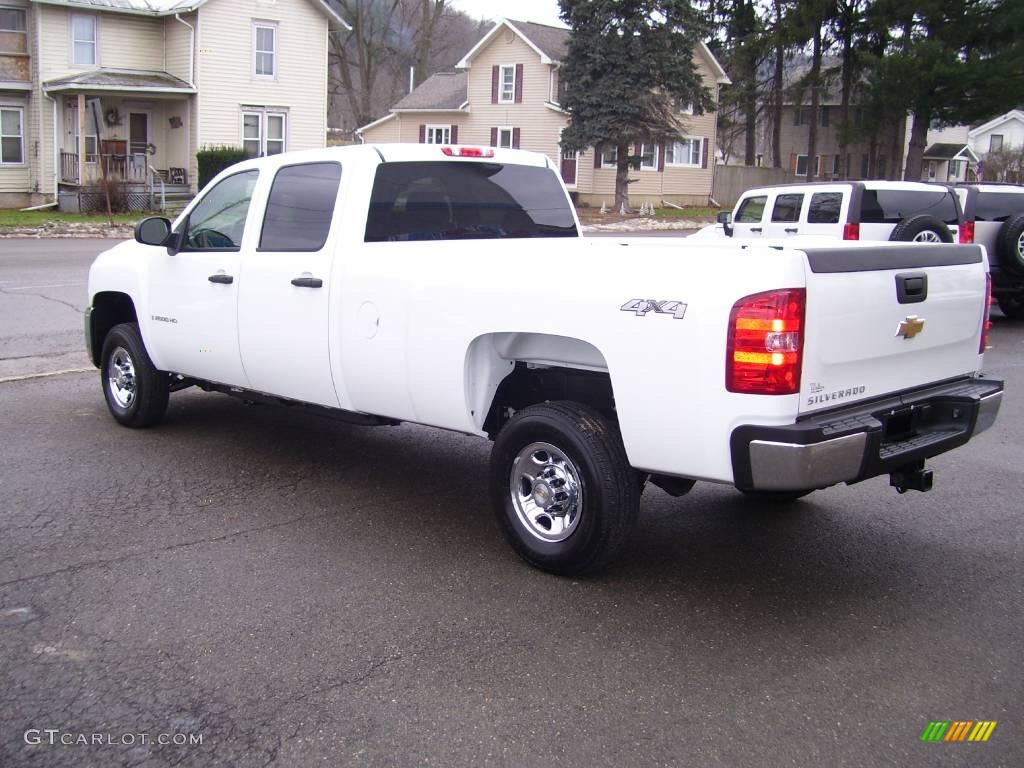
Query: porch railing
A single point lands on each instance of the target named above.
(131, 168)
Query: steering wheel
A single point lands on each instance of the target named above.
(211, 238)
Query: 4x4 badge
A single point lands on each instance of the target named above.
(910, 327)
(642, 306)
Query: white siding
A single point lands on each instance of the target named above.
(226, 78)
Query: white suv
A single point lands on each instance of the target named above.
(847, 210)
(994, 213)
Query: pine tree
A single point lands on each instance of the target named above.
(628, 71)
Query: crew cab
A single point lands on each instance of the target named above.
(449, 286)
(903, 211)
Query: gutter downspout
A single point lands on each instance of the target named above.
(193, 114)
(56, 146)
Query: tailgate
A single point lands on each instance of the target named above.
(883, 319)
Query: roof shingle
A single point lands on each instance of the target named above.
(445, 90)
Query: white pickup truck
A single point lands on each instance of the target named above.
(449, 286)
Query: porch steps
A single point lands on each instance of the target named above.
(176, 202)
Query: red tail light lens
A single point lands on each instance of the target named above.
(967, 232)
(851, 232)
(986, 322)
(765, 346)
(467, 152)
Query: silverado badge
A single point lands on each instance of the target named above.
(910, 327)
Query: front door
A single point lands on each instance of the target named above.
(192, 321)
(569, 162)
(138, 133)
(284, 296)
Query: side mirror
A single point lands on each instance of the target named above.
(725, 219)
(153, 231)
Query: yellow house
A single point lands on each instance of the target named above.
(131, 89)
(505, 93)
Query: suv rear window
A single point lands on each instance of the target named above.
(466, 201)
(998, 206)
(891, 206)
(825, 207)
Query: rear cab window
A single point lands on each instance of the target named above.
(891, 206)
(430, 200)
(751, 209)
(300, 207)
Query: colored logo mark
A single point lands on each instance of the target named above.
(958, 730)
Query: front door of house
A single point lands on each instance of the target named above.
(569, 162)
(138, 133)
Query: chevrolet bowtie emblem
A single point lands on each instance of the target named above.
(910, 327)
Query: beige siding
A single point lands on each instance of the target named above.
(126, 41)
(177, 46)
(405, 127)
(226, 79)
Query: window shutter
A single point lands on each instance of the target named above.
(519, 83)
(494, 84)
(792, 162)
(423, 134)
(515, 138)
(597, 156)
(661, 157)
(494, 137)
(824, 117)
(637, 149)
(455, 134)
(704, 158)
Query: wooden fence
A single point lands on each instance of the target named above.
(731, 181)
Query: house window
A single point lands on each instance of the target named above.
(798, 115)
(12, 136)
(824, 117)
(759, 161)
(13, 31)
(686, 109)
(91, 134)
(801, 165)
(932, 167)
(995, 142)
(955, 168)
(83, 39)
(264, 132)
(265, 46)
(685, 152)
(438, 134)
(507, 84)
(649, 157)
(864, 160)
(835, 165)
(609, 156)
(505, 137)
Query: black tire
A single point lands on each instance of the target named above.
(149, 388)
(775, 498)
(1010, 245)
(914, 227)
(609, 495)
(1012, 306)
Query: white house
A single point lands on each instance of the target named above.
(132, 89)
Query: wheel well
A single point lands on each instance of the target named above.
(530, 384)
(108, 309)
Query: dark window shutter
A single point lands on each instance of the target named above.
(824, 117)
(494, 137)
(597, 156)
(494, 84)
(637, 149)
(704, 159)
(423, 134)
(516, 135)
(455, 134)
(519, 83)
(661, 156)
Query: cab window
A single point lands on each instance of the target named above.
(300, 207)
(787, 208)
(751, 210)
(218, 221)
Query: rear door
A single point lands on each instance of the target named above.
(748, 221)
(283, 296)
(884, 318)
(826, 212)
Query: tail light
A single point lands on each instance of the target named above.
(467, 152)
(851, 231)
(986, 322)
(967, 232)
(765, 346)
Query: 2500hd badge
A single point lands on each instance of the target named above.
(837, 395)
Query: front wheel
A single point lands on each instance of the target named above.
(135, 391)
(563, 491)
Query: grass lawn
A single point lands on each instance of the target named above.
(10, 219)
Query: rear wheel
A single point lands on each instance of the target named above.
(1011, 245)
(923, 228)
(135, 391)
(563, 491)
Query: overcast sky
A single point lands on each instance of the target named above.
(540, 11)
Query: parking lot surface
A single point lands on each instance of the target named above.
(302, 592)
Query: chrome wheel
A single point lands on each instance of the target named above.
(546, 492)
(121, 377)
(1020, 246)
(928, 236)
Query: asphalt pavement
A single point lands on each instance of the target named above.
(299, 592)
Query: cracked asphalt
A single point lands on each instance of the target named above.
(302, 592)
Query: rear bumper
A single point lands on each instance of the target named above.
(851, 444)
